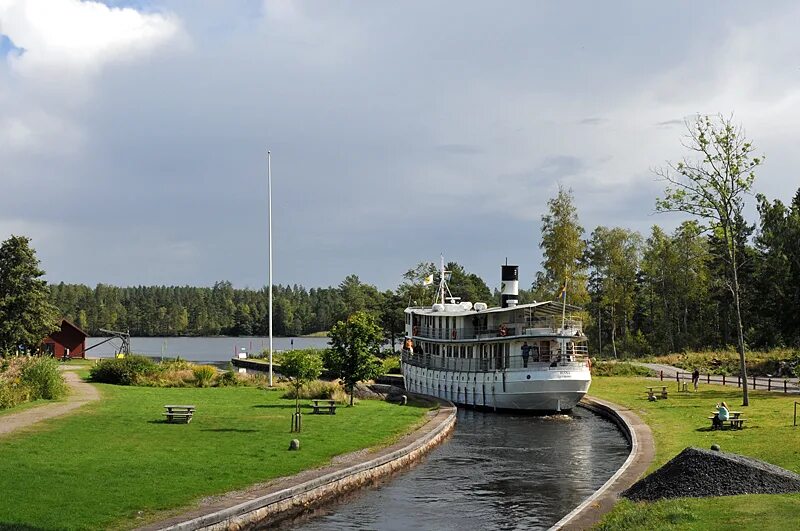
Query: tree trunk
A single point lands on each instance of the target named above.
(613, 333)
(740, 329)
(351, 395)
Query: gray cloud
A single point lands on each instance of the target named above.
(398, 131)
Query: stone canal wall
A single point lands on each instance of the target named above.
(323, 485)
(642, 453)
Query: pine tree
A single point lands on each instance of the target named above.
(26, 314)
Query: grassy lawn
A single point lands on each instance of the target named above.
(680, 421)
(116, 464)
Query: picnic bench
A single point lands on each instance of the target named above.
(651, 395)
(175, 413)
(323, 406)
(735, 420)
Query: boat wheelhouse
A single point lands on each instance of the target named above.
(517, 356)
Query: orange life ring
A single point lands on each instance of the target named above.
(502, 330)
(453, 334)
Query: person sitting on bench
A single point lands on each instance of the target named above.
(722, 415)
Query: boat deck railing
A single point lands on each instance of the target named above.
(546, 327)
(535, 361)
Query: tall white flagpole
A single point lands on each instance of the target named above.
(269, 185)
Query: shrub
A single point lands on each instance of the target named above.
(313, 389)
(175, 365)
(41, 376)
(204, 374)
(229, 378)
(12, 394)
(612, 368)
(391, 365)
(123, 371)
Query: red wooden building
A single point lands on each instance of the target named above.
(69, 337)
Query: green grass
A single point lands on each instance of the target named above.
(115, 464)
(681, 421)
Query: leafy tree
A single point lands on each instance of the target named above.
(300, 366)
(413, 290)
(673, 307)
(614, 261)
(711, 186)
(26, 314)
(355, 343)
(392, 318)
(778, 276)
(468, 286)
(563, 251)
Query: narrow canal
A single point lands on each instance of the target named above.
(497, 471)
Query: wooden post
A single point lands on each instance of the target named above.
(754, 382)
(662, 375)
(785, 390)
(769, 384)
(677, 376)
(708, 378)
(723, 379)
(739, 381)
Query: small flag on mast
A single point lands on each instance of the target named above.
(563, 294)
(428, 280)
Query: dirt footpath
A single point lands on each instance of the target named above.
(82, 393)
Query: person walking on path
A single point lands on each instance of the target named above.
(695, 378)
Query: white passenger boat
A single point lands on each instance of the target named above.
(531, 357)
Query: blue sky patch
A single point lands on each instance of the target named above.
(7, 47)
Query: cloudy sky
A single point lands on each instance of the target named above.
(133, 134)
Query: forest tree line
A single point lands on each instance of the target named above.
(662, 293)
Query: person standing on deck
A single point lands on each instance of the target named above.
(526, 353)
(695, 378)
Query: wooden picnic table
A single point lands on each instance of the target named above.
(651, 394)
(735, 420)
(323, 405)
(179, 413)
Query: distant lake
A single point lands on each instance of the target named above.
(205, 349)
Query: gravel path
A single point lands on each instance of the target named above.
(772, 384)
(82, 393)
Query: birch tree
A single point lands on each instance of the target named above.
(710, 184)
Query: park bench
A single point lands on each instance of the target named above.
(323, 406)
(735, 420)
(182, 414)
(651, 395)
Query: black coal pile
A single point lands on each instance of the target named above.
(697, 473)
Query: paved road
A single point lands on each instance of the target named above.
(772, 384)
(82, 393)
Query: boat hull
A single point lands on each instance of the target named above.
(541, 388)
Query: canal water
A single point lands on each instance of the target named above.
(202, 349)
(497, 471)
